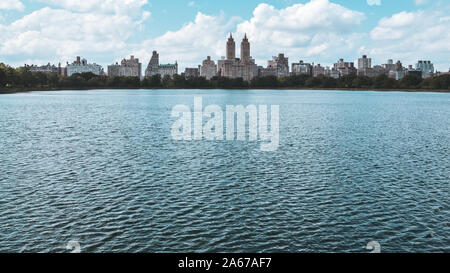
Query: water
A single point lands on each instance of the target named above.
(100, 167)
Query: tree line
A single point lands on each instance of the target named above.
(22, 79)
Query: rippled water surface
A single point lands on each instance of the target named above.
(100, 167)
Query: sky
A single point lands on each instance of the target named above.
(319, 31)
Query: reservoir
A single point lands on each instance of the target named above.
(100, 167)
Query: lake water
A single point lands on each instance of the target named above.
(100, 167)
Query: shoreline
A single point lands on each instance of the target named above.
(29, 90)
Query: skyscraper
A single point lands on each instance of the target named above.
(154, 68)
(281, 65)
(426, 67)
(153, 65)
(365, 68)
(245, 49)
(238, 68)
(364, 62)
(302, 68)
(345, 68)
(208, 68)
(231, 48)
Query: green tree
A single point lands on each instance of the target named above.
(152, 82)
(167, 82)
(3, 79)
(410, 81)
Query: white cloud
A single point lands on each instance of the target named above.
(318, 31)
(129, 7)
(11, 5)
(64, 33)
(191, 4)
(410, 36)
(61, 34)
(374, 2)
(421, 2)
(318, 27)
(206, 35)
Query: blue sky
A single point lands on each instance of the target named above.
(320, 31)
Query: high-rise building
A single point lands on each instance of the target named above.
(345, 68)
(302, 68)
(245, 49)
(231, 48)
(279, 64)
(192, 72)
(154, 68)
(208, 68)
(332, 73)
(399, 66)
(318, 70)
(153, 65)
(82, 66)
(268, 71)
(233, 67)
(365, 67)
(364, 62)
(426, 67)
(399, 71)
(389, 66)
(127, 68)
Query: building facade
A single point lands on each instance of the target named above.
(344, 68)
(426, 67)
(60, 71)
(364, 62)
(82, 66)
(365, 68)
(318, 70)
(268, 71)
(43, 69)
(153, 65)
(154, 68)
(192, 72)
(168, 70)
(278, 67)
(232, 67)
(389, 66)
(332, 73)
(302, 68)
(127, 68)
(281, 65)
(208, 68)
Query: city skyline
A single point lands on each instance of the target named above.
(243, 66)
(406, 30)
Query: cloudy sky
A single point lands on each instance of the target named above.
(320, 31)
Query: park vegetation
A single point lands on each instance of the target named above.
(21, 79)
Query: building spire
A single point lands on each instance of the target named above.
(231, 48)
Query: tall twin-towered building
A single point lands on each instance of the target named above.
(233, 67)
(243, 67)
